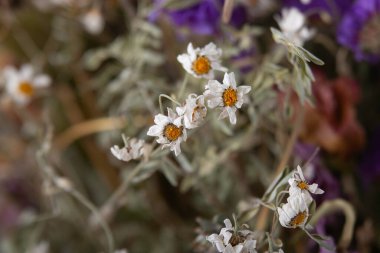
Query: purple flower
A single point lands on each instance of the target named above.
(203, 17)
(370, 165)
(359, 30)
(332, 7)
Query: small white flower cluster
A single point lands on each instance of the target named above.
(171, 129)
(292, 24)
(133, 149)
(296, 211)
(21, 85)
(230, 240)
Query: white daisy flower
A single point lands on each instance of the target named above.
(194, 111)
(169, 130)
(227, 96)
(231, 241)
(21, 85)
(133, 149)
(201, 62)
(294, 213)
(93, 21)
(299, 186)
(292, 24)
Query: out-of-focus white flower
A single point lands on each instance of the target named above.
(41, 247)
(201, 62)
(300, 188)
(121, 251)
(194, 111)
(294, 213)
(305, 1)
(292, 23)
(227, 96)
(21, 85)
(93, 21)
(133, 149)
(231, 241)
(169, 130)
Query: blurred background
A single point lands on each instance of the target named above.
(108, 62)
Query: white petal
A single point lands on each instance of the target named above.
(232, 114)
(299, 170)
(26, 72)
(161, 119)
(41, 81)
(155, 130)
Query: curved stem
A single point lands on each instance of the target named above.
(183, 86)
(332, 206)
(167, 97)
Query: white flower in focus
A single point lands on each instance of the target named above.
(201, 62)
(133, 149)
(21, 85)
(169, 130)
(194, 111)
(294, 213)
(231, 241)
(299, 187)
(227, 96)
(292, 24)
(93, 21)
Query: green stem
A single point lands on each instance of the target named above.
(183, 86)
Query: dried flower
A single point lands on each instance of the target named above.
(21, 85)
(201, 62)
(194, 111)
(133, 149)
(169, 130)
(294, 213)
(226, 95)
(231, 241)
(300, 188)
(292, 24)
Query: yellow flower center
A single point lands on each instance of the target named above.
(26, 88)
(298, 219)
(172, 132)
(302, 185)
(236, 239)
(201, 65)
(229, 97)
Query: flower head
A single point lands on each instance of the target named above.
(231, 241)
(133, 149)
(169, 130)
(359, 30)
(292, 23)
(21, 85)
(299, 186)
(201, 62)
(227, 96)
(294, 213)
(194, 111)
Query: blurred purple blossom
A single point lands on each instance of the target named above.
(331, 6)
(203, 17)
(359, 30)
(370, 165)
